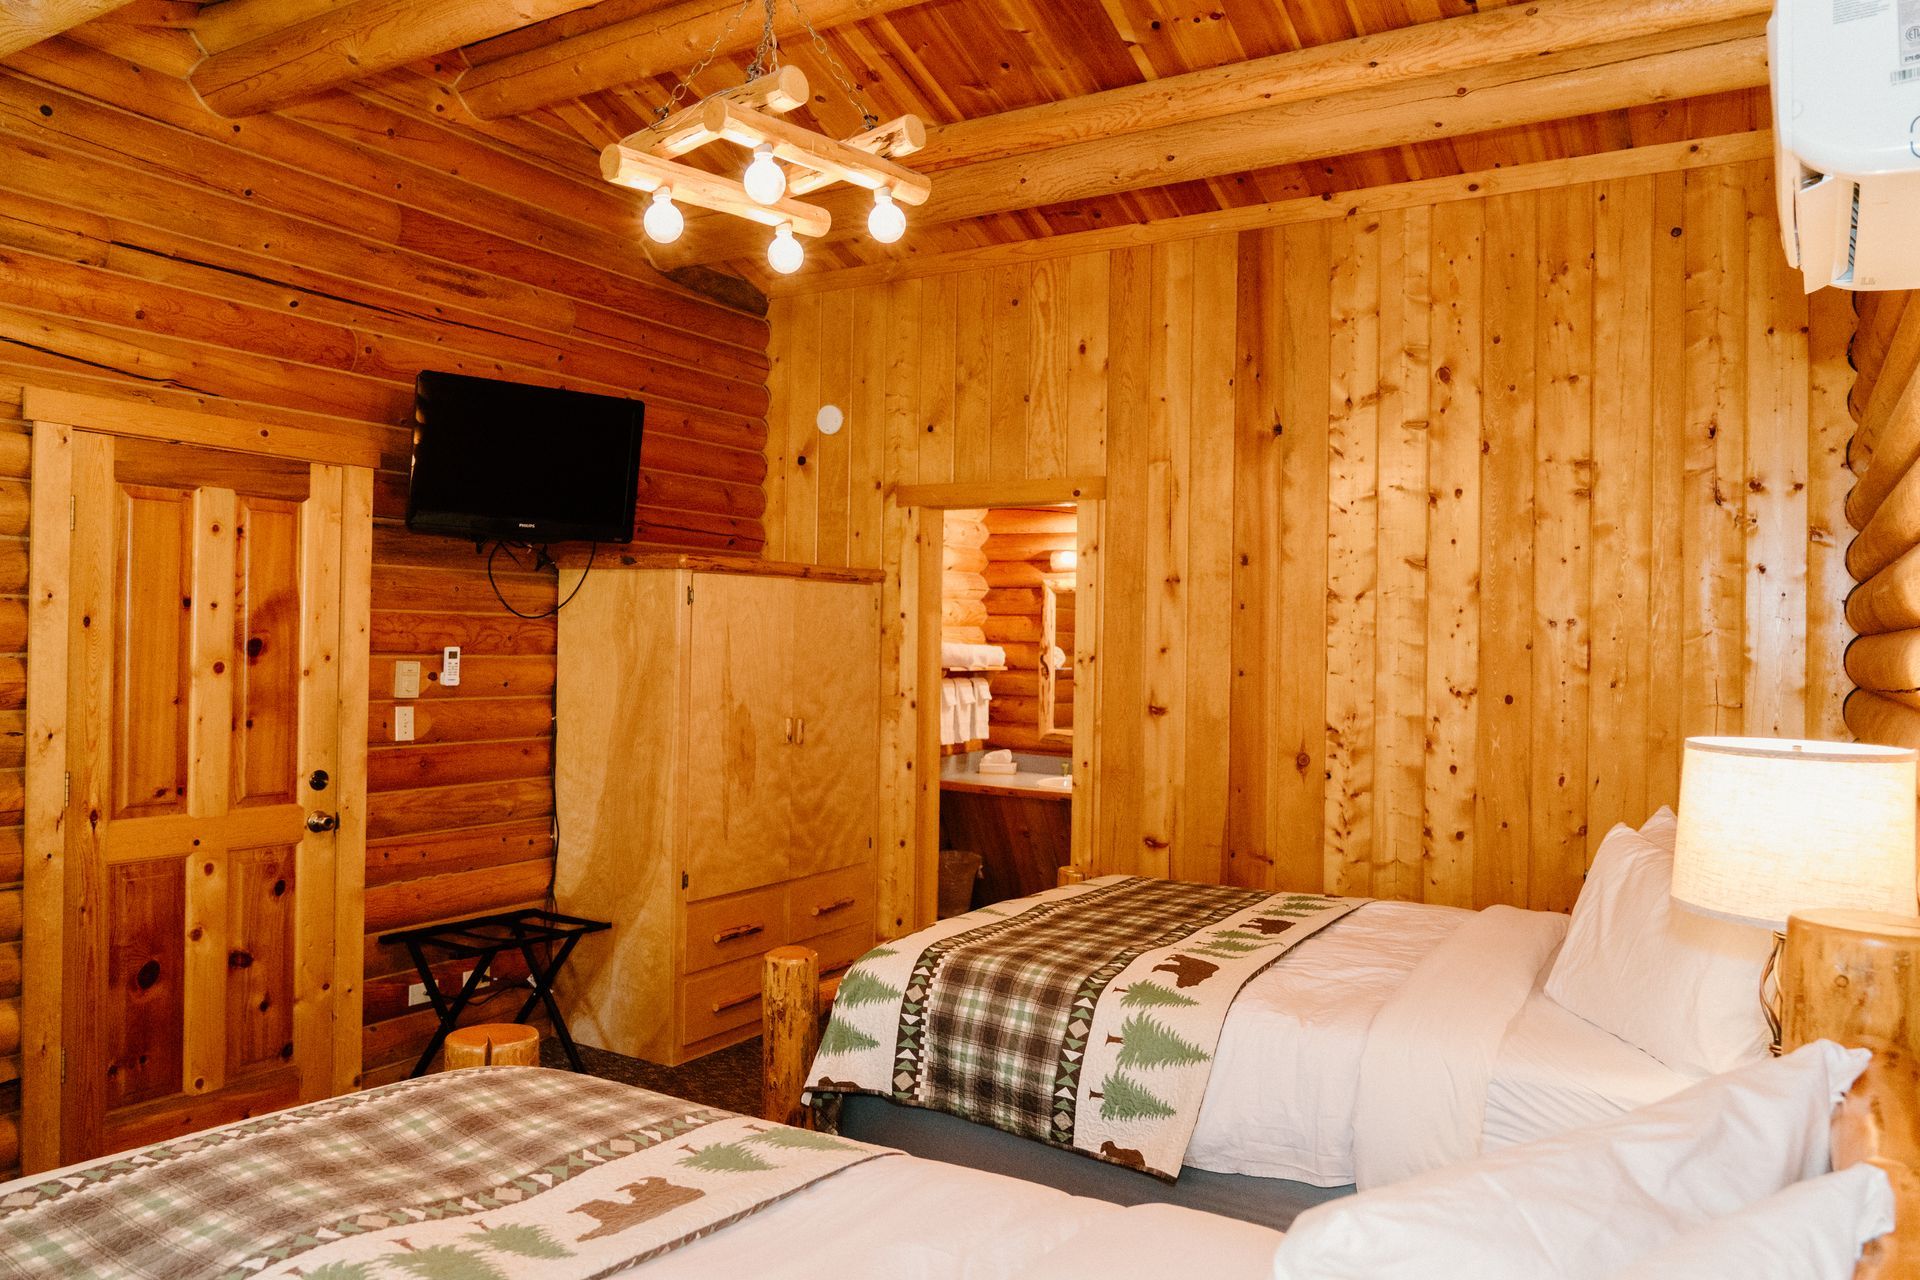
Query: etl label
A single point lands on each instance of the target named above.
(1909, 34)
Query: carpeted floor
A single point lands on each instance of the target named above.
(728, 1079)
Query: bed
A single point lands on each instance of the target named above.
(497, 1173)
(1385, 1040)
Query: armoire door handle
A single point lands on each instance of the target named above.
(801, 740)
(789, 730)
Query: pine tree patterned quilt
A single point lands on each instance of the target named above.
(1085, 1017)
(489, 1174)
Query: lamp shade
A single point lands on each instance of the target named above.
(1770, 826)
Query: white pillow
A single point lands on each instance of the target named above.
(1663, 828)
(1680, 986)
(1814, 1230)
(1586, 1203)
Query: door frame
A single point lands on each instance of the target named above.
(920, 552)
(52, 417)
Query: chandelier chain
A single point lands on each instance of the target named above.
(766, 60)
(835, 67)
(681, 89)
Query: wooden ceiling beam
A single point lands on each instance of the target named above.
(27, 22)
(1513, 33)
(667, 40)
(1553, 86)
(320, 50)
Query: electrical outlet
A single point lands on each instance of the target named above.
(406, 679)
(450, 666)
(403, 724)
(417, 993)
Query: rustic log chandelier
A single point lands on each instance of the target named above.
(788, 161)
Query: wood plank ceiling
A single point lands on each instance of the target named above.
(953, 60)
(946, 60)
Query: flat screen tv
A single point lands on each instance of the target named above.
(506, 461)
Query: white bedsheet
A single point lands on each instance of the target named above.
(1281, 1100)
(903, 1218)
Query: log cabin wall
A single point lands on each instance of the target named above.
(1021, 543)
(314, 260)
(1430, 531)
(963, 583)
(1883, 661)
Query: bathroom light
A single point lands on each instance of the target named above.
(1063, 561)
(663, 219)
(785, 254)
(887, 222)
(765, 180)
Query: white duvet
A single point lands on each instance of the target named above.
(903, 1218)
(1284, 1097)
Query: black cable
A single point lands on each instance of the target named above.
(543, 560)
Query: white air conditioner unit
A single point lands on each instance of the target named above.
(1846, 119)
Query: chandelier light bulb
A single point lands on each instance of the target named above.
(887, 222)
(663, 219)
(785, 254)
(765, 180)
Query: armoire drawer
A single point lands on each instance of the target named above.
(722, 999)
(741, 926)
(838, 950)
(830, 901)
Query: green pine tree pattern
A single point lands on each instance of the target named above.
(860, 987)
(801, 1140)
(1121, 1098)
(840, 1037)
(341, 1271)
(726, 1157)
(1151, 995)
(444, 1262)
(1149, 1043)
(519, 1238)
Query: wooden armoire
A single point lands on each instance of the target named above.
(717, 767)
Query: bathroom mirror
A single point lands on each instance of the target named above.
(1056, 657)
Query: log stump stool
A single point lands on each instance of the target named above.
(493, 1044)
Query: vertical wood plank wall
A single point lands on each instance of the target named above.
(1430, 534)
(314, 260)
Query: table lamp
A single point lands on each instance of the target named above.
(1771, 826)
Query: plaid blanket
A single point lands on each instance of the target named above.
(1084, 1017)
(488, 1174)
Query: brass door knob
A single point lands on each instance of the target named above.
(318, 822)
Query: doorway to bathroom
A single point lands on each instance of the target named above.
(1009, 622)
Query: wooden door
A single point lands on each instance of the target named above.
(740, 731)
(214, 827)
(836, 705)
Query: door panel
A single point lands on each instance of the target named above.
(738, 718)
(266, 609)
(259, 960)
(836, 698)
(154, 588)
(206, 602)
(145, 984)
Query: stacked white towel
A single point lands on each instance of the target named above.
(955, 656)
(964, 703)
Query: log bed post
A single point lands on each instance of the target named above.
(1070, 875)
(1853, 977)
(790, 1030)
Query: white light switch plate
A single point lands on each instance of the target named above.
(450, 666)
(406, 679)
(403, 724)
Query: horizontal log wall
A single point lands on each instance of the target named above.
(1883, 661)
(1021, 544)
(963, 583)
(315, 259)
(1430, 532)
